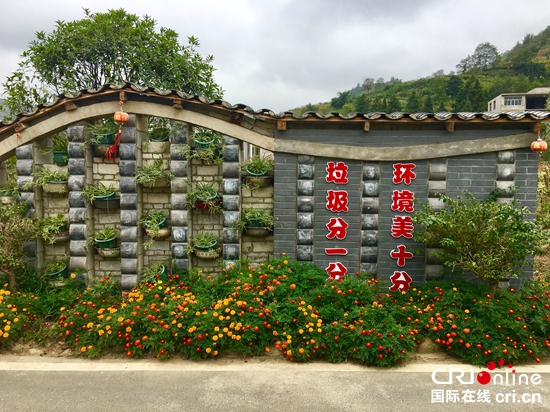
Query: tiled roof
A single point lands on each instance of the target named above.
(131, 89)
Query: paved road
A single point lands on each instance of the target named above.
(53, 384)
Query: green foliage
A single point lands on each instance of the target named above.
(259, 165)
(60, 142)
(111, 47)
(90, 192)
(205, 192)
(487, 238)
(149, 173)
(107, 233)
(103, 126)
(15, 230)
(204, 239)
(43, 176)
(260, 216)
(50, 226)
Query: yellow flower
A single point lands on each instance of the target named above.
(100, 332)
(128, 329)
(7, 327)
(73, 275)
(466, 311)
(62, 308)
(215, 338)
(208, 350)
(6, 335)
(83, 349)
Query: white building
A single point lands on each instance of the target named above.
(519, 102)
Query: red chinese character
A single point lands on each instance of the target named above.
(337, 173)
(402, 201)
(400, 281)
(336, 251)
(402, 226)
(337, 200)
(337, 227)
(402, 172)
(336, 271)
(401, 254)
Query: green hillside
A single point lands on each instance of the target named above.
(478, 78)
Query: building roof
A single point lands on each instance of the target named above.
(183, 100)
(540, 91)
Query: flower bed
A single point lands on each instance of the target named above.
(290, 306)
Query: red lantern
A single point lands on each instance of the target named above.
(539, 145)
(121, 117)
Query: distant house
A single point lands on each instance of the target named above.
(518, 102)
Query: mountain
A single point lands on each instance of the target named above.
(479, 78)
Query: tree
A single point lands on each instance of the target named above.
(339, 101)
(368, 84)
(413, 104)
(485, 56)
(393, 104)
(362, 103)
(111, 47)
(489, 239)
(454, 84)
(428, 105)
(15, 230)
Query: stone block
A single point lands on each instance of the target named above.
(230, 203)
(177, 151)
(24, 152)
(506, 172)
(371, 172)
(77, 215)
(305, 188)
(108, 219)
(230, 186)
(230, 235)
(178, 185)
(128, 249)
(369, 254)
(178, 169)
(229, 141)
(369, 222)
(306, 159)
(305, 204)
(304, 237)
(180, 264)
(306, 171)
(128, 184)
(178, 217)
(506, 187)
(178, 250)
(231, 251)
(437, 171)
(25, 183)
(304, 220)
(76, 183)
(231, 154)
(76, 199)
(77, 262)
(107, 169)
(230, 170)
(506, 157)
(129, 233)
(371, 189)
(179, 234)
(369, 237)
(230, 218)
(369, 268)
(76, 150)
(128, 201)
(76, 134)
(436, 187)
(24, 167)
(77, 232)
(434, 272)
(304, 253)
(178, 201)
(76, 166)
(128, 217)
(128, 265)
(127, 151)
(127, 167)
(436, 204)
(370, 205)
(77, 247)
(128, 281)
(158, 147)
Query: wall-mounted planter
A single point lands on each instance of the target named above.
(162, 232)
(258, 231)
(104, 138)
(61, 158)
(56, 274)
(258, 181)
(7, 196)
(55, 187)
(109, 253)
(63, 234)
(207, 254)
(207, 204)
(106, 202)
(159, 182)
(105, 243)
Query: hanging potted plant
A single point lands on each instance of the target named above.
(56, 270)
(53, 229)
(204, 196)
(60, 142)
(154, 175)
(9, 192)
(209, 146)
(153, 272)
(205, 246)
(51, 181)
(159, 129)
(101, 196)
(106, 241)
(103, 131)
(255, 222)
(154, 223)
(258, 171)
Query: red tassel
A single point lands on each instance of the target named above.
(112, 150)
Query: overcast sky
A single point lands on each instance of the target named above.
(281, 54)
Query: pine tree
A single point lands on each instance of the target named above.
(413, 104)
(428, 105)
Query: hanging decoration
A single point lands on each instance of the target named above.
(539, 145)
(121, 117)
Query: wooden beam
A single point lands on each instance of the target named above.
(366, 126)
(450, 126)
(70, 106)
(281, 124)
(177, 103)
(20, 126)
(122, 96)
